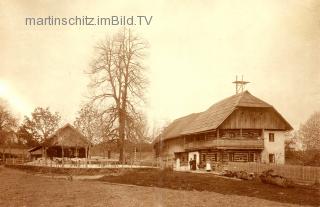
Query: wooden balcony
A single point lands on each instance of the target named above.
(226, 144)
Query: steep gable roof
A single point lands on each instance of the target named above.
(213, 117)
(67, 136)
(217, 113)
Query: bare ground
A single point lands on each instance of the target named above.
(18, 188)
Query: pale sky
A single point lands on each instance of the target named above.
(197, 49)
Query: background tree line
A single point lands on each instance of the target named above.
(303, 146)
(36, 130)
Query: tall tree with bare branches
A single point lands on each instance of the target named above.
(118, 82)
(90, 123)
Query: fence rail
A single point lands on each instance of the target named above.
(295, 172)
(78, 163)
(15, 161)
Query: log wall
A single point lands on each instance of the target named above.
(255, 118)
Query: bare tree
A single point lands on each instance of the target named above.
(90, 122)
(8, 124)
(118, 81)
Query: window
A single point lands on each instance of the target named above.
(251, 157)
(240, 157)
(271, 158)
(271, 137)
(204, 157)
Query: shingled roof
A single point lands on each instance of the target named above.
(213, 117)
(177, 127)
(217, 113)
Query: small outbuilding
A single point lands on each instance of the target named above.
(67, 141)
(35, 152)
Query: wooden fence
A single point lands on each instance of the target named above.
(78, 163)
(297, 173)
(15, 161)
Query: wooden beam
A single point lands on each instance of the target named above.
(62, 155)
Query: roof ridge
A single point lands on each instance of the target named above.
(241, 96)
(57, 132)
(230, 97)
(256, 99)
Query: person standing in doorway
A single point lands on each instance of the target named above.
(208, 166)
(190, 163)
(194, 164)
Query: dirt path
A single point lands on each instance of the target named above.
(18, 188)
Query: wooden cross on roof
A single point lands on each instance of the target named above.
(240, 84)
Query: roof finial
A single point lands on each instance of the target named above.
(240, 84)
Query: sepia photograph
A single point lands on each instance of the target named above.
(118, 103)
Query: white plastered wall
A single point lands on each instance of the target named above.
(276, 147)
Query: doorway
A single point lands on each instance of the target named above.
(194, 156)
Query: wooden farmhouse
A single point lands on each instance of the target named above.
(241, 128)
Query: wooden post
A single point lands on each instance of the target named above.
(10, 149)
(3, 154)
(45, 155)
(62, 155)
(86, 153)
(42, 148)
(218, 134)
(89, 155)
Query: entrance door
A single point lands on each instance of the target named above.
(194, 156)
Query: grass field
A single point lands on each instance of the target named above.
(301, 195)
(20, 188)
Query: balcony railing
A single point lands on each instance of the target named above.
(226, 143)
